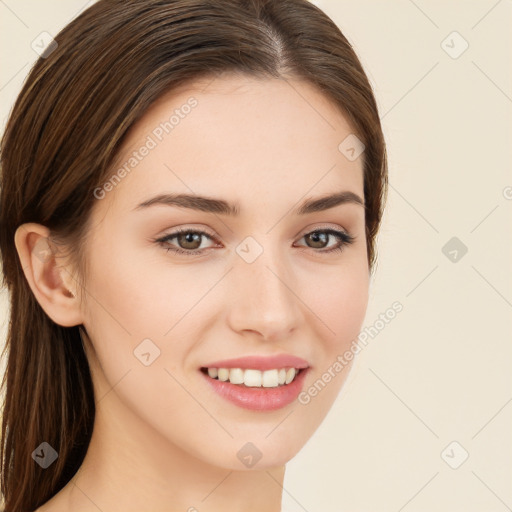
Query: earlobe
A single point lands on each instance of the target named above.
(50, 281)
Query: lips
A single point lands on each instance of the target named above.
(257, 382)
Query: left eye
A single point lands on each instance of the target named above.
(321, 235)
(189, 240)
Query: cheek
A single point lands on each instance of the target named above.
(131, 306)
(141, 297)
(139, 305)
(341, 306)
(346, 309)
(340, 302)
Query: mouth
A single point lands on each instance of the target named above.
(254, 378)
(257, 383)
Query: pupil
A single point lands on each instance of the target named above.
(317, 236)
(189, 238)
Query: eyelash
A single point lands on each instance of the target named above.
(344, 240)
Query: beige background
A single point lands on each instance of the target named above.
(441, 370)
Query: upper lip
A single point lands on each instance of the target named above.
(261, 362)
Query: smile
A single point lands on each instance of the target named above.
(254, 378)
(257, 382)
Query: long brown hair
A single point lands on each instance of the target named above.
(64, 132)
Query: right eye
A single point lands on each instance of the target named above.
(185, 237)
(344, 239)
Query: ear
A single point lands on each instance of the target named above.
(51, 281)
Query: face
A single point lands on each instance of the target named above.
(177, 286)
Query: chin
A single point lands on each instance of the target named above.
(246, 453)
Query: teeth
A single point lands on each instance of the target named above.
(223, 374)
(290, 375)
(254, 378)
(236, 376)
(270, 379)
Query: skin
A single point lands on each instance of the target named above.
(163, 440)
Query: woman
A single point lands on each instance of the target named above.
(191, 192)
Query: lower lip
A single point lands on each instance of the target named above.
(259, 399)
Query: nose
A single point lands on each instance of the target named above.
(263, 297)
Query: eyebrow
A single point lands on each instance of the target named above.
(222, 207)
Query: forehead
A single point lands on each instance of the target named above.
(238, 137)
